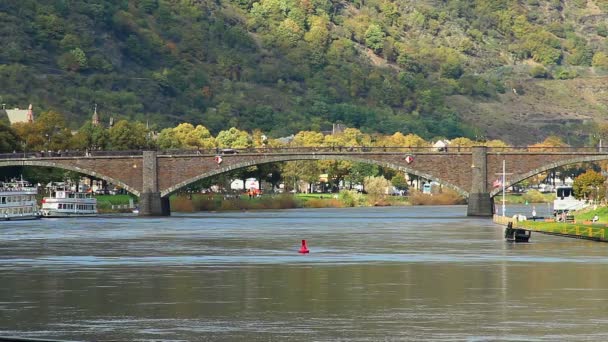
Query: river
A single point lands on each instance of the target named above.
(373, 274)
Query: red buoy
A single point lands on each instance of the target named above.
(304, 248)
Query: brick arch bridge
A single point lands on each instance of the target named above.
(153, 175)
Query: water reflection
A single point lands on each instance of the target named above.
(395, 274)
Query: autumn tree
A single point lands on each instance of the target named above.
(233, 138)
(377, 188)
(90, 136)
(8, 139)
(126, 135)
(589, 185)
(185, 135)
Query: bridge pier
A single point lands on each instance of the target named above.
(480, 202)
(151, 204)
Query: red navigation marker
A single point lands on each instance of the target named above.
(304, 248)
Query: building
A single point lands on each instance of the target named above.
(95, 120)
(20, 115)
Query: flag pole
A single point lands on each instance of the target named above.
(503, 187)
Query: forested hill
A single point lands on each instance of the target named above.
(435, 68)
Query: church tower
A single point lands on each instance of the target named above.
(30, 114)
(95, 117)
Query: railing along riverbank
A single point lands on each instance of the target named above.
(595, 232)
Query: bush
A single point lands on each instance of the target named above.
(539, 72)
(534, 196)
(564, 74)
(351, 198)
(376, 188)
(446, 197)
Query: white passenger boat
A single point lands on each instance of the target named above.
(18, 201)
(565, 200)
(65, 201)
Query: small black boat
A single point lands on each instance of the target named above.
(516, 234)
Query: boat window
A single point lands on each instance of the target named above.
(564, 192)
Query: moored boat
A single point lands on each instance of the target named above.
(64, 200)
(18, 201)
(516, 234)
(565, 200)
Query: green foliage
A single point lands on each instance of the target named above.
(233, 138)
(600, 60)
(564, 74)
(539, 71)
(279, 65)
(377, 188)
(185, 136)
(8, 139)
(602, 30)
(589, 185)
(534, 196)
(374, 37)
(400, 182)
(351, 198)
(125, 135)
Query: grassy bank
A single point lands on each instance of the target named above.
(105, 203)
(587, 231)
(528, 197)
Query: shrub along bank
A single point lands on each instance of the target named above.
(216, 202)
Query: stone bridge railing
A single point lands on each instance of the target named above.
(298, 150)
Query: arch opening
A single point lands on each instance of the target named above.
(35, 163)
(522, 177)
(276, 159)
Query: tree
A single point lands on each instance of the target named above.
(549, 144)
(359, 171)
(350, 137)
(589, 185)
(374, 37)
(167, 139)
(193, 137)
(125, 135)
(48, 132)
(233, 138)
(308, 138)
(398, 139)
(399, 182)
(8, 139)
(376, 188)
(91, 137)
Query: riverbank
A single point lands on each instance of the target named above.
(219, 202)
(580, 229)
(110, 204)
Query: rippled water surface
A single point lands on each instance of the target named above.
(373, 274)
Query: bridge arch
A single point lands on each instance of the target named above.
(521, 177)
(47, 163)
(284, 158)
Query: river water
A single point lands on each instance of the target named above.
(373, 274)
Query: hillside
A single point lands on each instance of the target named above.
(505, 69)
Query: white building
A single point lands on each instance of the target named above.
(20, 115)
(249, 183)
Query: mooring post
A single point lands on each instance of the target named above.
(151, 204)
(480, 202)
